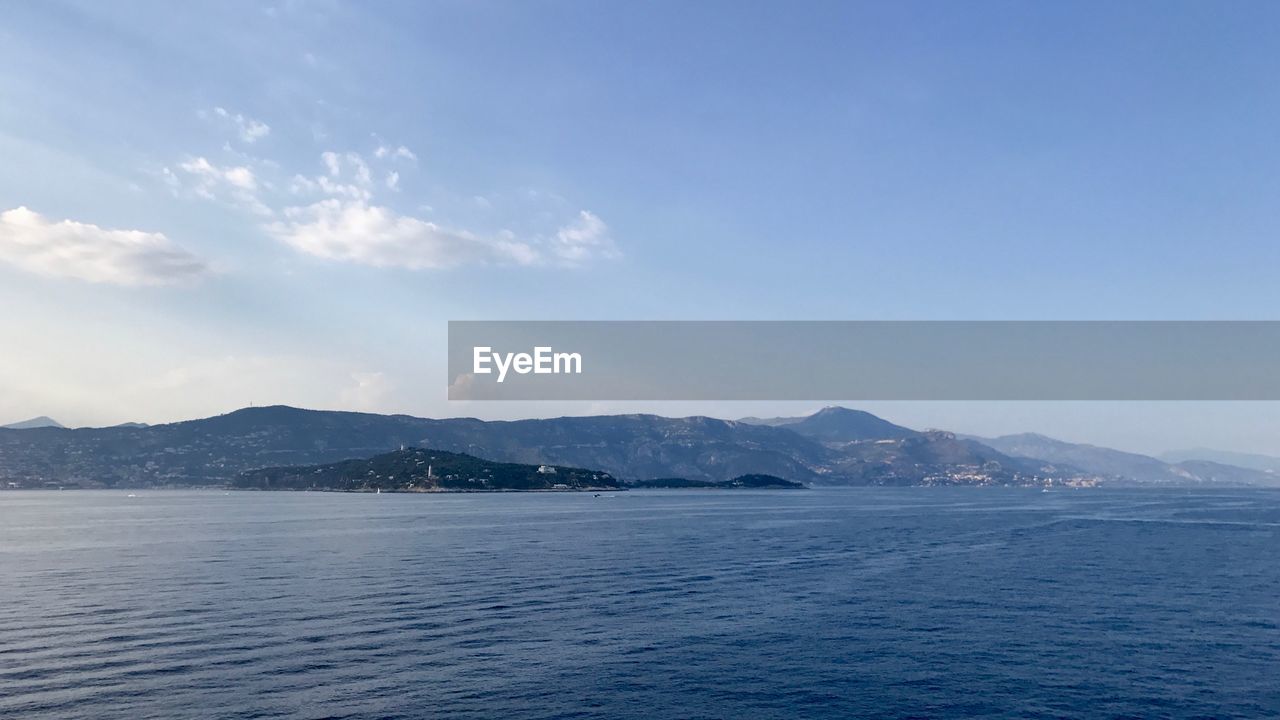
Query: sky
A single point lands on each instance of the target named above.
(209, 205)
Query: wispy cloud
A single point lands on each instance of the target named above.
(247, 129)
(355, 231)
(586, 238)
(334, 215)
(233, 183)
(87, 252)
(348, 175)
(238, 176)
(369, 391)
(396, 153)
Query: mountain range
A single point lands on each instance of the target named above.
(1253, 461)
(1118, 465)
(835, 446)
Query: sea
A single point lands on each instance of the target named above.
(822, 603)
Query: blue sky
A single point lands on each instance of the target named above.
(286, 202)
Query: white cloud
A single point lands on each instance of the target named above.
(368, 392)
(359, 169)
(351, 165)
(340, 166)
(210, 174)
(209, 181)
(397, 153)
(333, 162)
(249, 130)
(241, 177)
(354, 231)
(464, 387)
(301, 185)
(336, 217)
(87, 252)
(585, 238)
(171, 180)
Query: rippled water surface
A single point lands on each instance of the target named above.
(679, 604)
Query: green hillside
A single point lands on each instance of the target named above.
(422, 470)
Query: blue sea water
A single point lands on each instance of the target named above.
(922, 602)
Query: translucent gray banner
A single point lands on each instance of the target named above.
(864, 360)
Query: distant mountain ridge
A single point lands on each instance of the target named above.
(212, 451)
(742, 482)
(835, 446)
(1252, 461)
(1124, 466)
(42, 421)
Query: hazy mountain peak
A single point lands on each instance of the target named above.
(1033, 437)
(844, 425)
(1253, 461)
(836, 424)
(43, 421)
